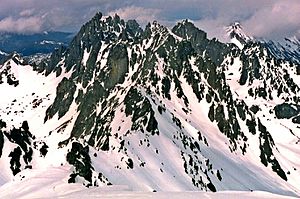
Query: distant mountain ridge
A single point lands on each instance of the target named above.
(30, 44)
(289, 50)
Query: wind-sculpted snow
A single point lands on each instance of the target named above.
(157, 110)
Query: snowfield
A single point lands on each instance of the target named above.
(51, 183)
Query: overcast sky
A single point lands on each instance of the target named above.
(271, 19)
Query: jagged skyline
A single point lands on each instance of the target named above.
(267, 18)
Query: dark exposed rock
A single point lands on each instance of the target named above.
(219, 175)
(296, 119)
(15, 160)
(130, 163)
(286, 111)
(244, 73)
(1, 142)
(133, 29)
(2, 125)
(80, 159)
(44, 150)
(254, 109)
(64, 98)
(118, 65)
(140, 114)
(11, 81)
(211, 187)
(187, 29)
(50, 65)
(22, 137)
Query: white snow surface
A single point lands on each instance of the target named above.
(51, 183)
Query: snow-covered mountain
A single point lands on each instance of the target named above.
(237, 35)
(150, 110)
(288, 49)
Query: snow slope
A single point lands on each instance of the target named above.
(52, 185)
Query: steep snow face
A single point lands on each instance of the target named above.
(29, 91)
(260, 86)
(152, 110)
(237, 35)
(25, 95)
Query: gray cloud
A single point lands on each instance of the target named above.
(66, 15)
(282, 18)
(20, 25)
(272, 19)
(142, 15)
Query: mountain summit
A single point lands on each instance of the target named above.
(152, 109)
(237, 34)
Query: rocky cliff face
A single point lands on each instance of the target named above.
(160, 105)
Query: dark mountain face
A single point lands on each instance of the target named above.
(136, 93)
(33, 43)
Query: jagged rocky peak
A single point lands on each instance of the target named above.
(100, 31)
(237, 34)
(188, 30)
(235, 30)
(213, 49)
